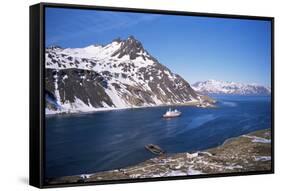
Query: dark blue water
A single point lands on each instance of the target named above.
(88, 143)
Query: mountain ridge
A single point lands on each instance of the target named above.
(225, 87)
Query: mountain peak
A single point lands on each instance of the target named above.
(131, 37)
(131, 47)
(132, 42)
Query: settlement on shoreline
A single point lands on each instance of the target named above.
(250, 152)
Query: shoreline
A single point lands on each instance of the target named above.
(96, 110)
(247, 152)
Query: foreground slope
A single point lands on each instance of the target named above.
(246, 153)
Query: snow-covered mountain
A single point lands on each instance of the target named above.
(121, 74)
(222, 87)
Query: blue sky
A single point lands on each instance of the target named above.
(197, 48)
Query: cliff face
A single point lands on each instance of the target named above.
(251, 152)
(121, 74)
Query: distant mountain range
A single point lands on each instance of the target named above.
(222, 87)
(121, 74)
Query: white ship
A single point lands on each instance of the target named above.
(172, 113)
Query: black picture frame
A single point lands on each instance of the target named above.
(37, 101)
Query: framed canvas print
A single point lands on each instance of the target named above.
(125, 95)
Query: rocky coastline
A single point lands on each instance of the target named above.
(246, 153)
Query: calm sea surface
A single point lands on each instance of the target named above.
(88, 143)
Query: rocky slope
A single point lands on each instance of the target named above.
(222, 87)
(121, 74)
(251, 152)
